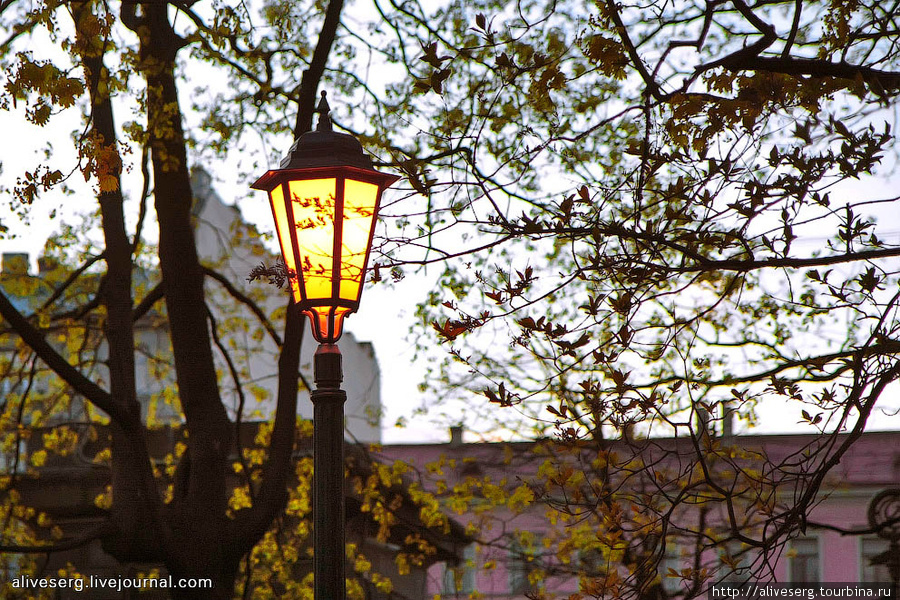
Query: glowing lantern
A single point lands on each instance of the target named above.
(325, 200)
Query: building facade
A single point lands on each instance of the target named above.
(836, 543)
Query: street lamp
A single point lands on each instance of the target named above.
(325, 199)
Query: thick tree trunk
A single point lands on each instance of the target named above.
(182, 276)
(197, 516)
(136, 503)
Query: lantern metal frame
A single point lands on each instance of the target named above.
(323, 154)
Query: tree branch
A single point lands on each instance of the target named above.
(81, 384)
(252, 523)
(636, 61)
(703, 263)
(242, 399)
(246, 301)
(147, 302)
(57, 292)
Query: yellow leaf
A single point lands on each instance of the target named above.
(108, 183)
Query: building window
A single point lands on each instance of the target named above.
(671, 569)
(803, 560)
(870, 548)
(591, 562)
(736, 563)
(460, 580)
(8, 460)
(519, 562)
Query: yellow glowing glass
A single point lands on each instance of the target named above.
(325, 217)
(313, 206)
(276, 198)
(359, 212)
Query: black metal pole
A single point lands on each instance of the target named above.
(328, 463)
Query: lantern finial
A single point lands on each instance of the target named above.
(324, 119)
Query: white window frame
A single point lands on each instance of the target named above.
(863, 560)
(467, 579)
(819, 559)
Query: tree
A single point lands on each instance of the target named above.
(670, 218)
(641, 192)
(191, 526)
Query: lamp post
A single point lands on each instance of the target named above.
(325, 199)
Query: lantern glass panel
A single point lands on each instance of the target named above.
(276, 197)
(358, 219)
(313, 204)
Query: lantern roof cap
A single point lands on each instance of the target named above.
(324, 147)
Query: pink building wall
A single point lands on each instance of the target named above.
(872, 464)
